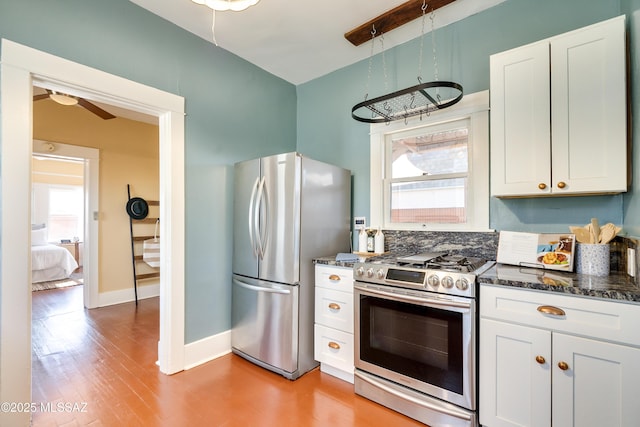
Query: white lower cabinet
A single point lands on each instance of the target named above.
(333, 342)
(550, 372)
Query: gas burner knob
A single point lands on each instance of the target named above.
(359, 271)
(462, 284)
(380, 274)
(370, 272)
(447, 282)
(433, 281)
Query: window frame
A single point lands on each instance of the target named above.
(473, 107)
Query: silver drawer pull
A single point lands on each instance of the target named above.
(334, 306)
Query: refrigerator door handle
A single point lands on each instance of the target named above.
(260, 288)
(252, 218)
(266, 226)
(262, 226)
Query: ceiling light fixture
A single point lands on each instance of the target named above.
(63, 99)
(222, 5)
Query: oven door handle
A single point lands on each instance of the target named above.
(449, 411)
(420, 300)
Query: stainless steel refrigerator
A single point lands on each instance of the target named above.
(289, 209)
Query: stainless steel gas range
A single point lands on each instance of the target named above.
(415, 332)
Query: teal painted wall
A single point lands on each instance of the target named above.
(632, 199)
(118, 37)
(229, 117)
(327, 131)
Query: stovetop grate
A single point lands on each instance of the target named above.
(440, 261)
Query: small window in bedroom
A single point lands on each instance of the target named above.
(65, 213)
(61, 208)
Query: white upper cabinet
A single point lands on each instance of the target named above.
(558, 115)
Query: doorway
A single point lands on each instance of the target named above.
(89, 157)
(21, 68)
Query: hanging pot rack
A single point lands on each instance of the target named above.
(413, 101)
(416, 100)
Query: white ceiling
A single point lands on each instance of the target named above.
(296, 40)
(300, 40)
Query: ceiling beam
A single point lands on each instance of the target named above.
(392, 19)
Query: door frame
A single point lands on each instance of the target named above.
(20, 68)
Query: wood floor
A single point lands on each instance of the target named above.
(97, 368)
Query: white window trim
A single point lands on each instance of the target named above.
(475, 107)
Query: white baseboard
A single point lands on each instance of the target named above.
(195, 353)
(339, 373)
(127, 295)
(206, 349)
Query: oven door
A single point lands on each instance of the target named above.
(419, 340)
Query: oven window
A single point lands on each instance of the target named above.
(419, 342)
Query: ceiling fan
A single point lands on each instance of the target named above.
(64, 99)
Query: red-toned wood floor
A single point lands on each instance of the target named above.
(97, 368)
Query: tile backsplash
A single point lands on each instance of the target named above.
(484, 245)
(473, 244)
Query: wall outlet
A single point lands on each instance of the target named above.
(631, 262)
(359, 222)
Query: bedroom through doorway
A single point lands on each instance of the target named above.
(57, 221)
(64, 195)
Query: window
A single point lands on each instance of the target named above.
(66, 219)
(433, 174)
(61, 208)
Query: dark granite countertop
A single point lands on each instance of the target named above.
(617, 286)
(331, 260)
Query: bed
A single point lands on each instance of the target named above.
(49, 262)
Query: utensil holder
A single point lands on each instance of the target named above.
(593, 259)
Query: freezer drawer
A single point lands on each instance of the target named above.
(265, 322)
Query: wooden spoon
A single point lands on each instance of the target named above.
(595, 230)
(608, 232)
(589, 229)
(582, 234)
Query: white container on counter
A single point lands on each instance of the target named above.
(379, 242)
(362, 240)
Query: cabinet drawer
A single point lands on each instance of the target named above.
(334, 309)
(606, 320)
(334, 348)
(331, 277)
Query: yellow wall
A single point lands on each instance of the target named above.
(129, 154)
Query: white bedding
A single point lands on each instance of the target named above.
(51, 262)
